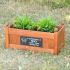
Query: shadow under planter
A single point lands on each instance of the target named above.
(34, 40)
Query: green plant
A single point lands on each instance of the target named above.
(22, 22)
(45, 25)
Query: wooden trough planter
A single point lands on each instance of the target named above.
(34, 40)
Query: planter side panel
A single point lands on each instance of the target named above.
(61, 37)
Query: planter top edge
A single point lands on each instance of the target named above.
(8, 26)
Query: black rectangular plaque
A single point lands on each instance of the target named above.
(31, 41)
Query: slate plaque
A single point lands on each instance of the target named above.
(31, 41)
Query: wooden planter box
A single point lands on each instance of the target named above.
(34, 40)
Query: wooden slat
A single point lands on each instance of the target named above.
(31, 48)
(30, 33)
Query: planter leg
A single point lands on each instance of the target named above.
(6, 37)
(56, 49)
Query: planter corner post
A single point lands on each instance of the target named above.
(6, 37)
(56, 49)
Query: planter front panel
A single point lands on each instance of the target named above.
(47, 38)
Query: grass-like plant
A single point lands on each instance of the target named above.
(44, 25)
(47, 25)
(22, 22)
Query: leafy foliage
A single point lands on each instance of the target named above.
(22, 23)
(45, 25)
